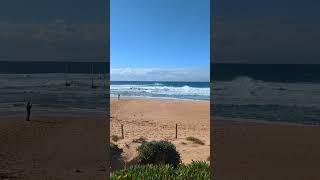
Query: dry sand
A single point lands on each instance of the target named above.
(53, 148)
(156, 119)
(259, 151)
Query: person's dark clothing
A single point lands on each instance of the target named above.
(29, 106)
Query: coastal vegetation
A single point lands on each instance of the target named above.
(140, 140)
(195, 140)
(115, 138)
(160, 160)
(194, 170)
(158, 152)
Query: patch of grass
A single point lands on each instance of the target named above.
(158, 152)
(140, 140)
(115, 138)
(195, 140)
(195, 170)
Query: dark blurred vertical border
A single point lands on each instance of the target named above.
(265, 84)
(55, 54)
(212, 148)
(108, 89)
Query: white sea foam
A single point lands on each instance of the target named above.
(159, 90)
(244, 90)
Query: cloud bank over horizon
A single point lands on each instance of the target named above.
(160, 74)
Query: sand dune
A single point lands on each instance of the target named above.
(53, 148)
(156, 119)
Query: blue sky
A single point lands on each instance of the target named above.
(165, 38)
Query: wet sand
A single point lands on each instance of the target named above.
(53, 148)
(155, 119)
(263, 151)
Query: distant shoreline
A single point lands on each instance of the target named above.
(157, 98)
(58, 113)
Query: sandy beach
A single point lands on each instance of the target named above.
(53, 148)
(260, 151)
(155, 119)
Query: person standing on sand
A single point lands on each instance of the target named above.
(29, 106)
(118, 97)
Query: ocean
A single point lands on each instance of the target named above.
(161, 90)
(44, 84)
(274, 92)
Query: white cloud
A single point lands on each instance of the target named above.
(159, 74)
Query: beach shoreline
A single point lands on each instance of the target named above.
(115, 97)
(266, 122)
(155, 119)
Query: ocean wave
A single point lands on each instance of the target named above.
(158, 84)
(160, 90)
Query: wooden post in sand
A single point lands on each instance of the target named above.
(176, 131)
(122, 131)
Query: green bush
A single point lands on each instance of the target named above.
(140, 140)
(195, 140)
(195, 170)
(158, 152)
(115, 138)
